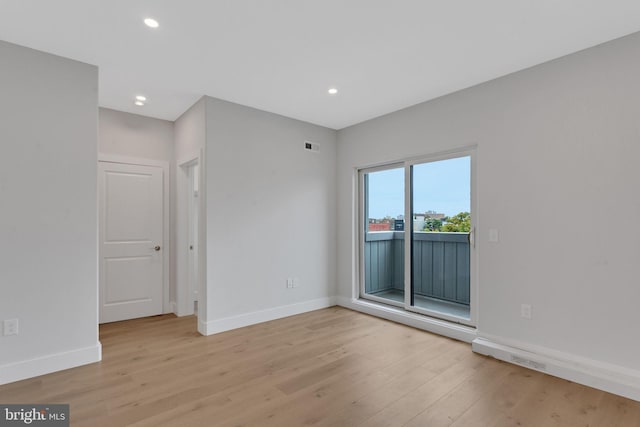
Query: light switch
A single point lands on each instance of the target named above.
(493, 235)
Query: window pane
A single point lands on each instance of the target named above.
(384, 234)
(440, 226)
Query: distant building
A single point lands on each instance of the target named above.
(419, 219)
(434, 215)
(418, 222)
(384, 226)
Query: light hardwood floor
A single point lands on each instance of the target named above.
(331, 367)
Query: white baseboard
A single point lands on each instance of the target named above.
(246, 319)
(603, 376)
(440, 327)
(202, 327)
(50, 363)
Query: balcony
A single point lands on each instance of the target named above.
(440, 269)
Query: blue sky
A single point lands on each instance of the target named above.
(442, 186)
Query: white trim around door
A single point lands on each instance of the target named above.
(362, 227)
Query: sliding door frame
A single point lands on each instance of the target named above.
(363, 226)
(407, 165)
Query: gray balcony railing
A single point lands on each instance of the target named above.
(440, 264)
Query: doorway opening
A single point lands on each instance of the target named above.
(189, 243)
(193, 208)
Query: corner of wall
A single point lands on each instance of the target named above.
(246, 319)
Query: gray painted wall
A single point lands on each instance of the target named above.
(48, 215)
(557, 174)
(132, 135)
(190, 132)
(271, 209)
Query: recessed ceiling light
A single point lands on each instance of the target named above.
(150, 22)
(141, 98)
(139, 103)
(333, 91)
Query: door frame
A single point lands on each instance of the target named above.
(183, 305)
(167, 305)
(407, 163)
(193, 231)
(362, 228)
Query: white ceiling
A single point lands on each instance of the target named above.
(283, 55)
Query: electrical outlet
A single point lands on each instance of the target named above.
(296, 282)
(525, 311)
(10, 327)
(493, 235)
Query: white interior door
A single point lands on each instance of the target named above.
(131, 235)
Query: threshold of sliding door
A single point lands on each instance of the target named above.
(432, 304)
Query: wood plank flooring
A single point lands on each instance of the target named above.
(331, 367)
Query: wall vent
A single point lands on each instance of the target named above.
(311, 146)
(528, 363)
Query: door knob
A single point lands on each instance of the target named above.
(157, 248)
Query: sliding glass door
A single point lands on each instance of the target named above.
(417, 232)
(440, 236)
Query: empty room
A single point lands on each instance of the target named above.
(319, 213)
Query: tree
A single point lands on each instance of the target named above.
(460, 223)
(432, 224)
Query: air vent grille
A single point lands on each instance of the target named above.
(311, 146)
(529, 363)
